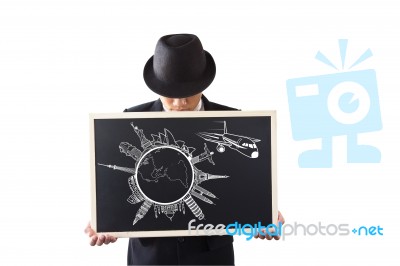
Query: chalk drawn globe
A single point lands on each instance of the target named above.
(164, 175)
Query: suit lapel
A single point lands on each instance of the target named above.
(206, 103)
(157, 106)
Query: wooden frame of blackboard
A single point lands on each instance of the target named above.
(184, 114)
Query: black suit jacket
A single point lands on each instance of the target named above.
(205, 250)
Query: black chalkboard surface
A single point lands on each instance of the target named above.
(154, 173)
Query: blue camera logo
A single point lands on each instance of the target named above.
(325, 106)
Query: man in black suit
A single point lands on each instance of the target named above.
(179, 71)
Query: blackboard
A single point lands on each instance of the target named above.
(154, 172)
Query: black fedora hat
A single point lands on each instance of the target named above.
(180, 67)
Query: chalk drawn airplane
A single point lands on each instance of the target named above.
(242, 144)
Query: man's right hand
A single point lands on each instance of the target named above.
(98, 239)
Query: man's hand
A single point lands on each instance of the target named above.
(100, 239)
(267, 236)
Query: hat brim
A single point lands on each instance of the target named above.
(179, 89)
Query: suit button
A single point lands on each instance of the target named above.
(181, 239)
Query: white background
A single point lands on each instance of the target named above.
(61, 60)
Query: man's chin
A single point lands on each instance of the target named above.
(179, 110)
